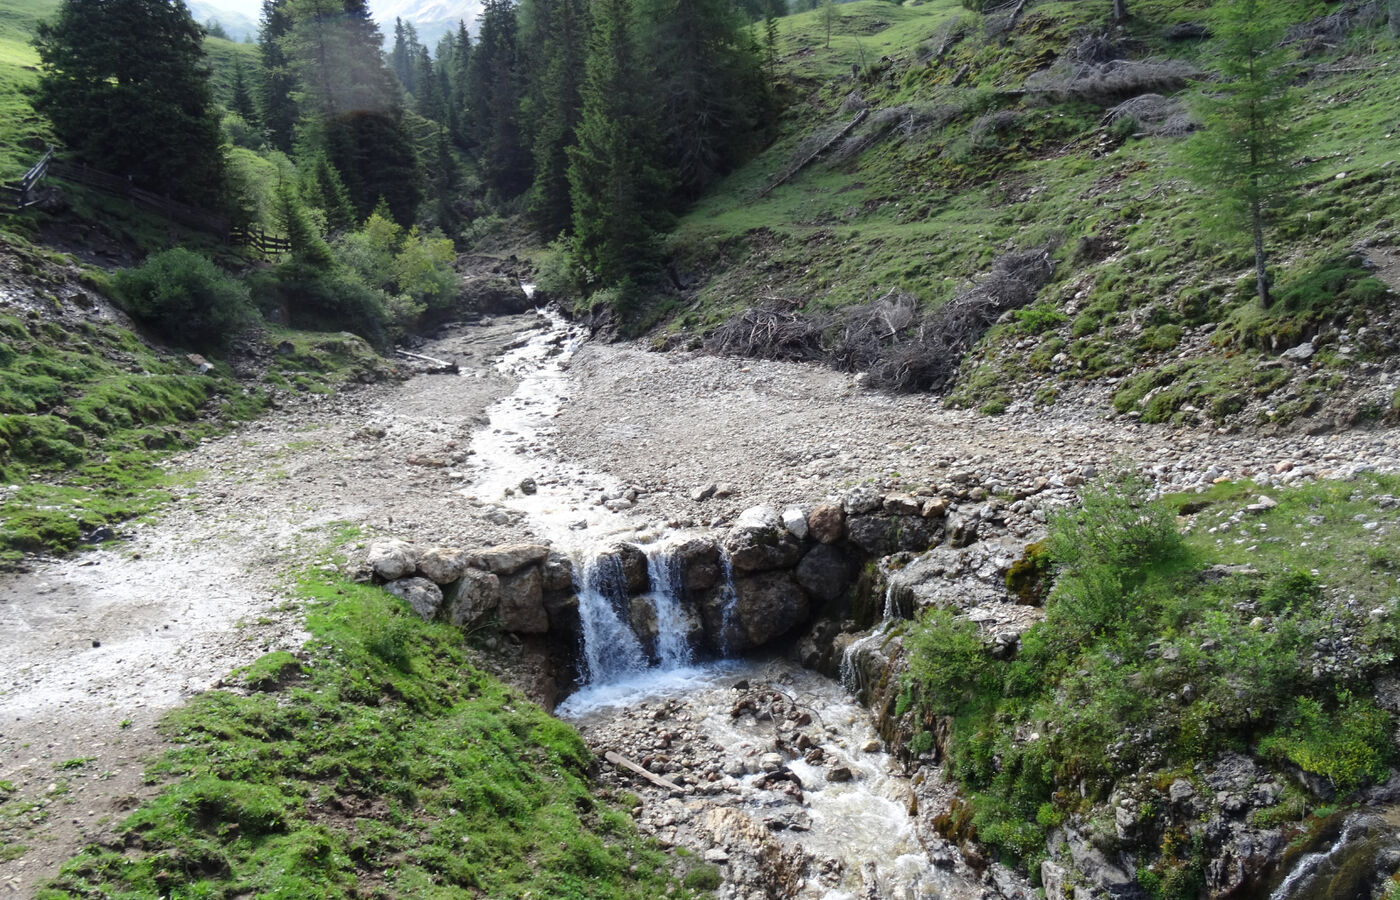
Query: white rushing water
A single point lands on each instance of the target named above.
(672, 649)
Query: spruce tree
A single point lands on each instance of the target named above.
(712, 88)
(241, 101)
(1246, 155)
(459, 91)
(552, 105)
(493, 101)
(278, 80)
(125, 85)
(614, 182)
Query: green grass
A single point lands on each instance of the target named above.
(1146, 668)
(23, 134)
(390, 761)
(928, 203)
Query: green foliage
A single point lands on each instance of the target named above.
(185, 298)
(1247, 153)
(1145, 664)
(1347, 743)
(948, 663)
(125, 86)
(417, 771)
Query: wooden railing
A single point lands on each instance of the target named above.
(20, 195)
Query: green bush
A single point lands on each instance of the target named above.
(1349, 745)
(947, 661)
(332, 299)
(185, 298)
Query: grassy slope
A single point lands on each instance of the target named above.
(22, 133)
(380, 763)
(923, 212)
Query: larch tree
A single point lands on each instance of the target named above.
(1246, 156)
(125, 85)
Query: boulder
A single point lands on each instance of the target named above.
(825, 573)
(759, 517)
(883, 535)
(443, 565)
(903, 505)
(507, 559)
(477, 595)
(522, 602)
(963, 528)
(795, 521)
(827, 523)
(422, 595)
(495, 295)
(391, 559)
(861, 500)
(634, 567)
(759, 548)
(699, 564)
(766, 606)
(558, 573)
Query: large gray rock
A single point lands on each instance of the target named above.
(558, 573)
(883, 535)
(795, 521)
(634, 567)
(522, 602)
(861, 500)
(766, 606)
(699, 563)
(478, 594)
(391, 559)
(495, 295)
(507, 559)
(424, 597)
(825, 573)
(759, 548)
(443, 565)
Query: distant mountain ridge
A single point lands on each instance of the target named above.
(431, 18)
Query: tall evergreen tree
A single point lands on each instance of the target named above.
(125, 84)
(712, 90)
(614, 182)
(278, 81)
(552, 104)
(428, 99)
(241, 101)
(458, 95)
(493, 101)
(1247, 153)
(401, 57)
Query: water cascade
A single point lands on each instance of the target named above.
(1359, 860)
(610, 649)
(672, 648)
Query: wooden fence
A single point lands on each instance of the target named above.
(20, 195)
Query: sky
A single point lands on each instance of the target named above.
(430, 17)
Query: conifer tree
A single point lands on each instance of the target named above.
(459, 91)
(125, 85)
(614, 183)
(1246, 155)
(711, 87)
(552, 104)
(241, 101)
(401, 57)
(493, 101)
(278, 80)
(427, 96)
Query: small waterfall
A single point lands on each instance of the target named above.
(610, 649)
(1354, 864)
(850, 670)
(672, 647)
(729, 598)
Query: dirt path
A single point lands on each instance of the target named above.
(96, 647)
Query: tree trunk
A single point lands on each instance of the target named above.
(1261, 274)
(1120, 10)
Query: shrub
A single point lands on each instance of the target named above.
(1348, 745)
(947, 660)
(185, 298)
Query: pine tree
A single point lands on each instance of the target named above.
(401, 57)
(459, 90)
(125, 85)
(1246, 155)
(493, 102)
(278, 80)
(552, 105)
(429, 100)
(241, 101)
(614, 183)
(713, 94)
(772, 10)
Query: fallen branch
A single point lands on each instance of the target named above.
(618, 759)
(860, 117)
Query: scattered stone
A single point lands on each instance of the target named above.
(795, 521)
(423, 596)
(839, 774)
(827, 523)
(391, 559)
(704, 492)
(528, 486)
